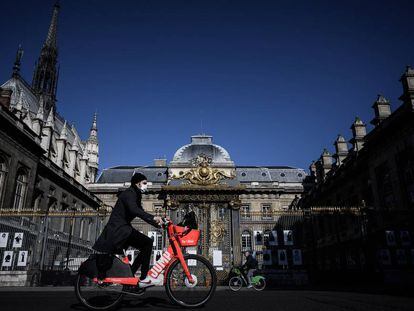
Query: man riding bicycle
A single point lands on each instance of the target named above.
(250, 267)
(118, 233)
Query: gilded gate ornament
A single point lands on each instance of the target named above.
(203, 174)
(217, 232)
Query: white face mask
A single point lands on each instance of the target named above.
(144, 187)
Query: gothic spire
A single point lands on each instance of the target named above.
(51, 39)
(18, 61)
(45, 76)
(93, 134)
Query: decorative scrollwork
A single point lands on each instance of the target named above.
(203, 174)
(218, 231)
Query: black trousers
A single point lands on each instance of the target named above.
(144, 243)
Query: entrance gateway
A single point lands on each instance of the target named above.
(213, 194)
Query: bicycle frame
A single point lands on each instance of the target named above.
(173, 252)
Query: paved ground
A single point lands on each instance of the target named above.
(58, 299)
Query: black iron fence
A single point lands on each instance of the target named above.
(44, 248)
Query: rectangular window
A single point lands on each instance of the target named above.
(266, 211)
(245, 211)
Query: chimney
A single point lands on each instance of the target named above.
(407, 80)
(160, 162)
(358, 132)
(382, 110)
(5, 97)
(341, 150)
(326, 160)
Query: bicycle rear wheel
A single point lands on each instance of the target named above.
(235, 283)
(181, 291)
(97, 297)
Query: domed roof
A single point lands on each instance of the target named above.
(202, 145)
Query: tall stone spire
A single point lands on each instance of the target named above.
(93, 134)
(92, 147)
(45, 76)
(18, 61)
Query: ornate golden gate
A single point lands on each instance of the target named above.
(215, 203)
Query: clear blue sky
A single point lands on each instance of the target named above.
(273, 81)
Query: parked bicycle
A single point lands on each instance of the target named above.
(236, 282)
(189, 280)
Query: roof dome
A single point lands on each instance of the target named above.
(202, 144)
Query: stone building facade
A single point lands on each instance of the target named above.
(238, 207)
(44, 169)
(361, 203)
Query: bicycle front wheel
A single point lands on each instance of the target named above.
(97, 297)
(186, 294)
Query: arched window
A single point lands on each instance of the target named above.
(21, 188)
(246, 241)
(3, 174)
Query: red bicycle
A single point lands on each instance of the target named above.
(190, 280)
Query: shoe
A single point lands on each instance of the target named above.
(149, 281)
(249, 286)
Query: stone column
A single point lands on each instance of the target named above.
(235, 236)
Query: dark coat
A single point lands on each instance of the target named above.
(251, 263)
(117, 230)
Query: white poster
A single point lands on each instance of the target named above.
(156, 255)
(217, 258)
(18, 240)
(153, 236)
(273, 238)
(405, 238)
(7, 259)
(131, 256)
(267, 257)
(258, 237)
(192, 262)
(297, 257)
(401, 257)
(288, 237)
(282, 257)
(4, 236)
(385, 256)
(22, 259)
(390, 238)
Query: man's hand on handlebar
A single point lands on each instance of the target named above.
(161, 221)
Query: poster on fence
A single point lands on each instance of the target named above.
(4, 236)
(7, 259)
(288, 237)
(390, 238)
(405, 238)
(282, 257)
(267, 257)
(22, 259)
(217, 258)
(153, 236)
(258, 235)
(385, 257)
(131, 255)
(297, 257)
(18, 240)
(401, 257)
(273, 238)
(156, 255)
(192, 262)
